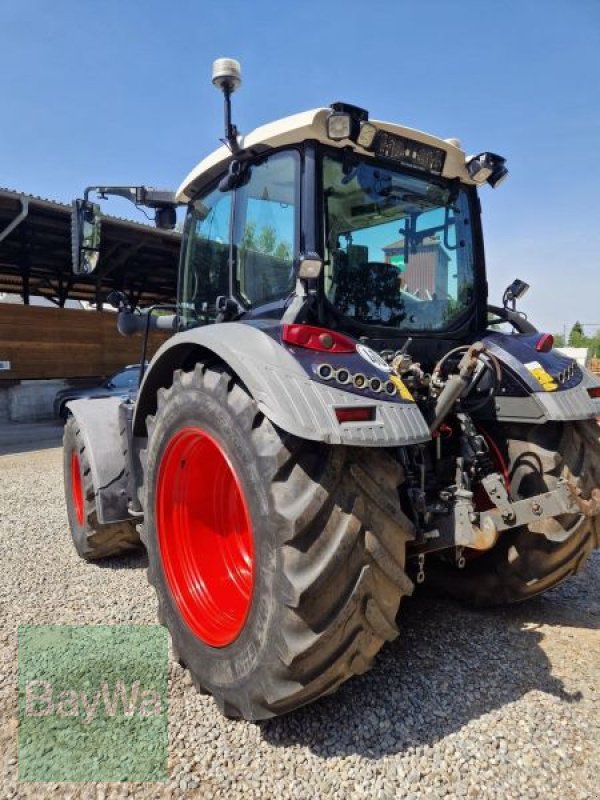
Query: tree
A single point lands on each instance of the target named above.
(577, 337)
(267, 239)
(249, 236)
(283, 251)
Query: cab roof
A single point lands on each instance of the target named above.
(311, 125)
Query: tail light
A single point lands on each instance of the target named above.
(314, 338)
(545, 343)
(357, 414)
(594, 392)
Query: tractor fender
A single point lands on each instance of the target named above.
(281, 388)
(566, 399)
(100, 427)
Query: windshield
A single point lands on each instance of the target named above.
(399, 246)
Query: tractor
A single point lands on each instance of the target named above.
(338, 414)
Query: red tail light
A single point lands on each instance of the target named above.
(594, 392)
(545, 343)
(361, 414)
(314, 338)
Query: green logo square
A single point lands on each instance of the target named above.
(93, 702)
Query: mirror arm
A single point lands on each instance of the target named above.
(138, 195)
(519, 322)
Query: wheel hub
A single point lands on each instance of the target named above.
(205, 536)
(76, 486)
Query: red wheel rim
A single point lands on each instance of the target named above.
(205, 536)
(76, 486)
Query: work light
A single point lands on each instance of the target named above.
(339, 125)
(487, 167)
(366, 135)
(480, 167)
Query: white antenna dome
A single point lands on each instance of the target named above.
(227, 74)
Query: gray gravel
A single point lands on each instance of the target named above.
(501, 704)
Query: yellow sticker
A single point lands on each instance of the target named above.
(402, 389)
(544, 378)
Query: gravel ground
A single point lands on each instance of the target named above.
(501, 704)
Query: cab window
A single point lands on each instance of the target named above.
(266, 230)
(204, 271)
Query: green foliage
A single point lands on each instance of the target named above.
(265, 241)
(578, 338)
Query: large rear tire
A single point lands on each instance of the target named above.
(91, 539)
(524, 563)
(278, 563)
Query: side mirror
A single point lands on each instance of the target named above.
(85, 236)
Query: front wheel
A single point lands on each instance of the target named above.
(92, 540)
(524, 563)
(278, 563)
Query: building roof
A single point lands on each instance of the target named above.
(36, 255)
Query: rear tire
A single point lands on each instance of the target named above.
(523, 563)
(91, 539)
(327, 548)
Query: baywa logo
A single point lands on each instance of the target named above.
(92, 703)
(43, 700)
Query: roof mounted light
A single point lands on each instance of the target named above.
(366, 135)
(480, 167)
(344, 121)
(487, 168)
(339, 126)
(498, 176)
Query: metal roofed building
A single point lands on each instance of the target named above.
(35, 255)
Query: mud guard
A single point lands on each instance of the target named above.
(99, 423)
(282, 389)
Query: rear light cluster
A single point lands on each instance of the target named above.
(321, 339)
(545, 343)
(357, 414)
(328, 373)
(594, 392)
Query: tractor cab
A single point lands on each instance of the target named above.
(328, 218)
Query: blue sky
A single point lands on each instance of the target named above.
(102, 92)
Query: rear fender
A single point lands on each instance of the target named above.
(281, 388)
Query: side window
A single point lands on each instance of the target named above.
(204, 270)
(265, 230)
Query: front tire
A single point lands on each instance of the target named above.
(278, 563)
(92, 540)
(525, 563)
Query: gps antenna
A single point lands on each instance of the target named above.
(227, 76)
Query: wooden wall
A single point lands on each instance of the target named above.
(65, 343)
(595, 365)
